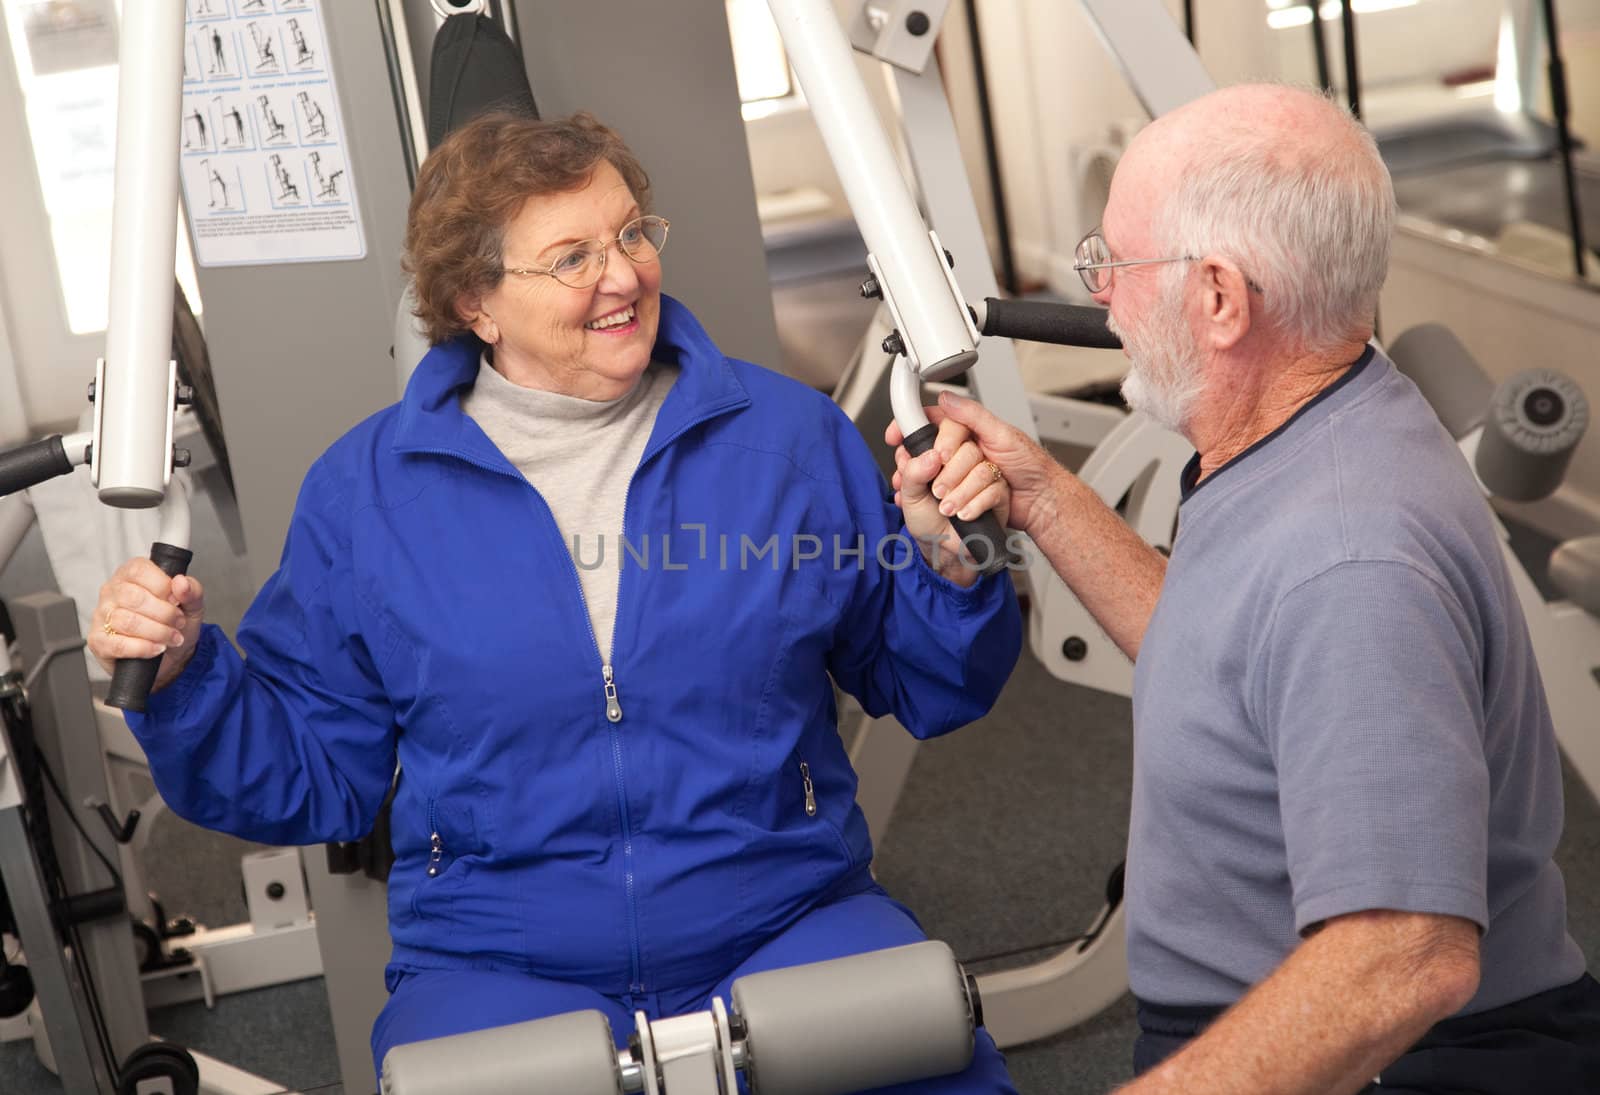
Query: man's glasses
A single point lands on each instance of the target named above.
(1094, 263)
(582, 264)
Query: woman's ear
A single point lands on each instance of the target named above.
(470, 309)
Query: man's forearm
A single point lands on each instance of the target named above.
(1342, 1007)
(1104, 562)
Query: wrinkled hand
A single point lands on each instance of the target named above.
(951, 479)
(142, 613)
(1029, 470)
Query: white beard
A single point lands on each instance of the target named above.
(1163, 377)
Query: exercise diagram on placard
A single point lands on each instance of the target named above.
(264, 167)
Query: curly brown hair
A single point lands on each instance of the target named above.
(474, 184)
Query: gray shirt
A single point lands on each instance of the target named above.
(1337, 708)
(580, 456)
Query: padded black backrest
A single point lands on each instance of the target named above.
(476, 68)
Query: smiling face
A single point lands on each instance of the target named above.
(591, 343)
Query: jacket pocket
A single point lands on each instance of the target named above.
(431, 895)
(813, 807)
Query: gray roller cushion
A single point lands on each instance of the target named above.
(1447, 374)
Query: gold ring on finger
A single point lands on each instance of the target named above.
(108, 629)
(994, 471)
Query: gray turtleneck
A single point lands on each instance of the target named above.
(580, 456)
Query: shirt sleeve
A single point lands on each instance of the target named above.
(296, 743)
(1372, 707)
(910, 642)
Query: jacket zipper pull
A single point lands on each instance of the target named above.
(811, 790)
(613, 708)
(435, 854)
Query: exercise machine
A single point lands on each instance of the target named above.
(1519, 437)
(826, 1028)
(1135, 462)
(67, 892)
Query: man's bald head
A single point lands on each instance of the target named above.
(1286, 184)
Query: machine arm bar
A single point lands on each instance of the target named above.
(33, 463)
(137, 391)
(908, 265)
(910, 268)
(1042, 321)
(133, 400)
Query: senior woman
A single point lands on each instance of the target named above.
(588, 581)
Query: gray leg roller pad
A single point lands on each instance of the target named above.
(570, 1054)
(1448, 376)
(858, 1023)
(1536, 420)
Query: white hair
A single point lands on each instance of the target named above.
(1310, 225)
(1164, 378)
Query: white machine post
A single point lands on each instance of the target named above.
(1156, 59)
(911, 272)
(934, 328)
(132, 460)
(136, 390)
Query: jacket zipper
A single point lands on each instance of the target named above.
(435, 841)
(614, 717)
(811, 790)
(613, 707)
(608, 675)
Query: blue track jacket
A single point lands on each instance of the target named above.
(632, 827)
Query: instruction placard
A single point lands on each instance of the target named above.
(266, 177)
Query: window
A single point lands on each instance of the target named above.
(1297, 13)
(66, 61)
(759, 61)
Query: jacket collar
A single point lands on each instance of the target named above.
(430, 411)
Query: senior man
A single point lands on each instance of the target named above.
(1346, 784)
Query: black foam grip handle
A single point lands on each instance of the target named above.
(33, 463)
(131, 681)
(983, 538)
(1042, 321)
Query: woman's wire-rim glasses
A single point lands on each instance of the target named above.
(584, 263)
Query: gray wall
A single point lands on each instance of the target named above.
(300, 351)
(662, 76)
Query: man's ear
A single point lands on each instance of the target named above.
(1225, 312)
(470, 311)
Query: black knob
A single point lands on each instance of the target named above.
(1544, 407)
(1074, 649)
(893, 343)
(344, 857)
(91, 391)
(917, 23)
(275, 890)
(870, 289)
(949, 259)
(185, 395)
(181, 458)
